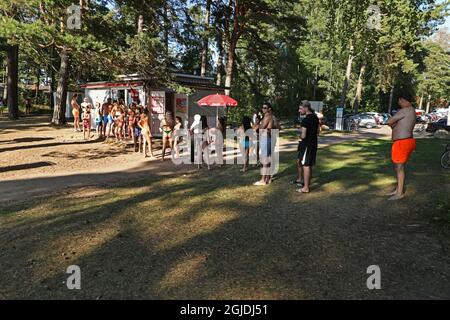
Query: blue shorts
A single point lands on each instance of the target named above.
(137, 132)
(246, 144)
(266, 146)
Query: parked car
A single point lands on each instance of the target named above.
(438, 125)
(376, 115)
(365, 120)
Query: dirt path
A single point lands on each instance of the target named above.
(37, 158)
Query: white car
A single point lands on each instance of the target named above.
(378, 117)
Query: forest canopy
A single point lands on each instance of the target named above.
(356, 54)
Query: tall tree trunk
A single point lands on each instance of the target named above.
(13, 81)
(5, 89)
(205, 39)
(59, 113)
(166, 27)
(52, 78)
(220, 48)
(421, 102)
(348, 75)
(359, 87)
(230, 68)
(38, 80)
(391, 100)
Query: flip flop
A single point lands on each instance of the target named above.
(259, 183)
(301, 191)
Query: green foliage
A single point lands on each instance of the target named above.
(286, 51)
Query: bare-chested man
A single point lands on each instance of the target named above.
(106, 107)
(265, 145)
(402, 125)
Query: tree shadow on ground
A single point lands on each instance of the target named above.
(203, 236)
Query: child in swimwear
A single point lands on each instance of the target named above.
(131, 122)
(87, 125)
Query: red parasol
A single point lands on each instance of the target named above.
(217, 100)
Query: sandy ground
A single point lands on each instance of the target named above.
(37, 158)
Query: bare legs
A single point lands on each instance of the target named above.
(76, 124)
(88, 131)
(307, 172)
(99, 130)
(108, 129)
(399, 192)
(165, 141)
(299, 172)
(147, 141)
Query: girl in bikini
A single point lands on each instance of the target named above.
(167, 127)
(144, 124)
(119, 122)
(75, 112)
(244, 144)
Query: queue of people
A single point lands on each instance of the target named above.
(115, 119)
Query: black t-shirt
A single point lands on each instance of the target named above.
(311, 123)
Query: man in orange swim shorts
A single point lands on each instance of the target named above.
(402, 125)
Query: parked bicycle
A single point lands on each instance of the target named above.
(445, 159)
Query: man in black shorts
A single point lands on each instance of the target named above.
(307, 149)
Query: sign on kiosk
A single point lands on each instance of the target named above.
(157, 107)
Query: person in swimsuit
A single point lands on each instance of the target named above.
(255, 149)
(106, 107)
(167, 127)
(98, 119)
(144, 124)
(75, 112)
(119, 122)
(112, 118)
(404, 144)
(87, 125)
(265, 145)
(244, 143)
(131, 121)
(137, 134)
